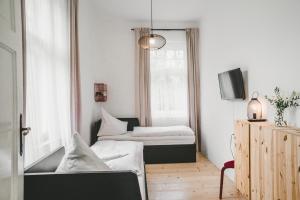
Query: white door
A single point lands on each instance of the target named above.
(11, 100)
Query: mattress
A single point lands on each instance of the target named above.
(125, 155)
(162, 131)
(153, 140)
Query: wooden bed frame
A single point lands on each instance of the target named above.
(154, 154)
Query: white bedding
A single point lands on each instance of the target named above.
(157, 140)
(129, 156)
(133, 160)
(162, 131)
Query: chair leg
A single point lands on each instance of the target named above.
(221, 182)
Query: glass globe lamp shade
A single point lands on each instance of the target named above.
(254, 110)
(152, 41)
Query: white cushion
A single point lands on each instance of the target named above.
(79, 157)
(111, 125)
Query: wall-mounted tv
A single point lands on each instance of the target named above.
(232, 84)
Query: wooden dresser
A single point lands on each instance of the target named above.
(267, 161)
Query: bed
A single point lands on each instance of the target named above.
(130, 158)
(157, 149)
(42, 183)
(126, 181)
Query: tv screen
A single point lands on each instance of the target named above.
(232, 84)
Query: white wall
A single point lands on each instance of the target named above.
(107, 56)
(261, 38)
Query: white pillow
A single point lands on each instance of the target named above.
(80, 157)
(111, 125)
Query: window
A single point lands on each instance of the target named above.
(47, 77)
(169, 84)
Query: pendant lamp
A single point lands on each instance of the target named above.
(152, 41)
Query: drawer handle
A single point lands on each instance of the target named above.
(285, 138)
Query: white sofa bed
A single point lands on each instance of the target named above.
(128, 156)
(126, 181)
(165, 147)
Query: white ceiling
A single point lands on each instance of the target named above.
(183, 10)
(174, 10)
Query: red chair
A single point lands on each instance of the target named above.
(227, 165)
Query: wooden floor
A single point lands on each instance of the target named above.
(188, 181)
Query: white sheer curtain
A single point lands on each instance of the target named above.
(47, 77)
(169, 84)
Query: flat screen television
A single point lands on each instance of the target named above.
(232, 84)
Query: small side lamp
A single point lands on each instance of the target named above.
(255, 109)
(100, 92)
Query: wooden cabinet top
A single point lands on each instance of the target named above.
(288, 129)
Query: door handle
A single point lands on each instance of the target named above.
(23, 132)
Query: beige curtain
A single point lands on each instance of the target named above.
(142, 80)
(75, 73)
(192, 41)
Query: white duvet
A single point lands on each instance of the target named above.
(150, 141)
(123, 155)
(162, 131)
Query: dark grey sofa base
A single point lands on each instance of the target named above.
(41, 183)
(170, 154)
(80, 186)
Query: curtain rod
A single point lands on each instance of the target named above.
(166, 29)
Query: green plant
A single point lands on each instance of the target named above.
(281, 103)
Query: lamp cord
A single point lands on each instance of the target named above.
(151, 17)
(231, 138)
